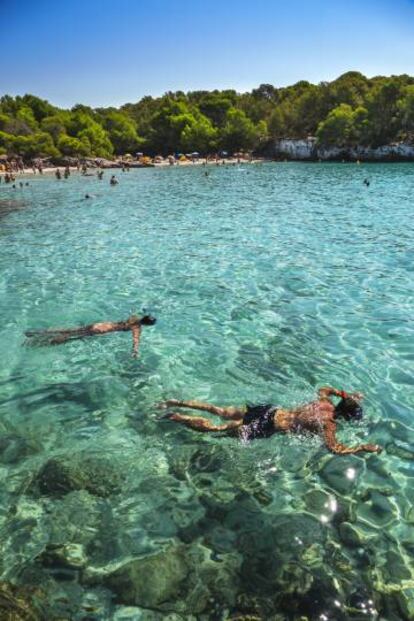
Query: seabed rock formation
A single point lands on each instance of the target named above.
(94, 474)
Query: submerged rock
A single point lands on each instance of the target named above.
(70, 555)
(18, 604)
(350, 535)
(182, 579)
(152, 580)
(341, 473)
(94, 474)
(13, 448)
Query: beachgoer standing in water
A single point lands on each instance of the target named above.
(57, 336)
(261, 421)
(113, 180)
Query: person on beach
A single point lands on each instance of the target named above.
(261, 421)
(57, 336)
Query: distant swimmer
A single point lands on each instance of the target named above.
(67, 172)
(57, 336)
(114, 180)
(58, 174)
(87, 196)
(100, 174)
(251, 422)
(367, 182)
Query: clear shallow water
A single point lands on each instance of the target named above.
(268, 281)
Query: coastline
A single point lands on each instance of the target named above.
(50, 170)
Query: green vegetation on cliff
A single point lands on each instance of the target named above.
(351, 110)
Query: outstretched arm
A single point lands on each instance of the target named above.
(327, 391)
(329, 434)
(136, 333)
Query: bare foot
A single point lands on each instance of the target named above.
(164, 405)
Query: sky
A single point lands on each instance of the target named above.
(109, 52)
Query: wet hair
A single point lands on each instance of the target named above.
(147, 320)
(349, 409)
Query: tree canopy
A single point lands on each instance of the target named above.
(348, 111)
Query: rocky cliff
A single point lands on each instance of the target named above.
(308, 149)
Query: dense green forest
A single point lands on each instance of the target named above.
(351, 110)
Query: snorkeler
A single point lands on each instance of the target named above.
(57, 336)
(261, 421)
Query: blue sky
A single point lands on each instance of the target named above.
(105, 52)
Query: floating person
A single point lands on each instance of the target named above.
(114, 180)
(58, 174)
(87, 196)
(261, 421)
(58, 336)
(367, 182)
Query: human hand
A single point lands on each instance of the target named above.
(372, 448)
(162, 405)
(357, 396)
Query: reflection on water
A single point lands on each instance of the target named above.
(267, 281)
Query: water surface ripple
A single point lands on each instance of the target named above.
(268, 281)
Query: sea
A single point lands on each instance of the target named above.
(268, 281)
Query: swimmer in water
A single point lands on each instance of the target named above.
(57, 336)
(367, 182)
(114, 180)
(261, 421)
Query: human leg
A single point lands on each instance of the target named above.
(231, 412)
(198, 423)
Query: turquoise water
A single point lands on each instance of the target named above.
(267, 281)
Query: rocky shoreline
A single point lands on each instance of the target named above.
(308, 150)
